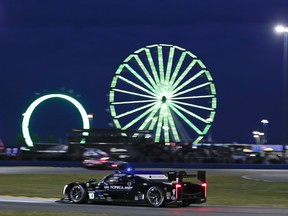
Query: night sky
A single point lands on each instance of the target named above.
(75, 47)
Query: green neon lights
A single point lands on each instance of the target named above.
(31, 108)
(161, 66)
(139, 77)
(169, 64)
(152, 65)
(178, 67)
(166, 89)
(184, 74)
(140, 63)
(136, 85)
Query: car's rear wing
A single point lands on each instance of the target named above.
(180, 175)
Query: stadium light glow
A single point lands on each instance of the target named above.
(281, 29)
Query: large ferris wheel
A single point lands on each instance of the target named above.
(165, 89)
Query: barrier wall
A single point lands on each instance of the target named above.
(147, 165)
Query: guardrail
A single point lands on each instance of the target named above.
(147, 165)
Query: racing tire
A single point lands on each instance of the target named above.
(78, 194)
(155, 196)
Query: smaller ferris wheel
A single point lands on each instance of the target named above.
(165, 89)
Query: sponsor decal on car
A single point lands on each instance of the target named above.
(116, 187)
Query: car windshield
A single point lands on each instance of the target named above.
(113, 178)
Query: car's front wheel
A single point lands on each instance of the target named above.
(78, 194)
(155, 196)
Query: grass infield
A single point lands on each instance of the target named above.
(222, 189)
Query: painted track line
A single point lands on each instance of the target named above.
(26, 199)
(255, 179)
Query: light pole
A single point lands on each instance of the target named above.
(258, 136)
(284, 31)
(90, 117)
(265, 123)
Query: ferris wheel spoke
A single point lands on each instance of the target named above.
(185, 119)
(169, 64)
(198, 139)
(150, 118)
(166, 129)
(177, 68)
(191, 113)
(134, 110)
(138, 118)
(136, 85)
(152, 65)
(173, 126)
(133, 93)
(188, 81)
(161, 64)
(153, 123)
(193, 97)
(133, 102)
(192, 89)
(193, 105)
(139, 77)
(184, 73)
(144, 69)
(159, 126)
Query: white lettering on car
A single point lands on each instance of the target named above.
(114, 187)
(173, 191)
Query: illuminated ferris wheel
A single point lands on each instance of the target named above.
(165, 89)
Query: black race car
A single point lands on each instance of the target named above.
(140, 187)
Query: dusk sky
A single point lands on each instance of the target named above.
(75, 47)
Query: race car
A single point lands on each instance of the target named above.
(98, 159)
(104, 163)
(155, 188)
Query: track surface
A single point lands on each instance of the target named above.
(49, 205)
(12, 203)
(260, 174)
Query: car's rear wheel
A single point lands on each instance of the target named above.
(78, 194)
(155, 196)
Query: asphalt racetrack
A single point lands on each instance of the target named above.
(37, 204)
(253, 174)
(49, 205)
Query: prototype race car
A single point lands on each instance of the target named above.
(104, 163)
(140, 187)
(96, 158)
